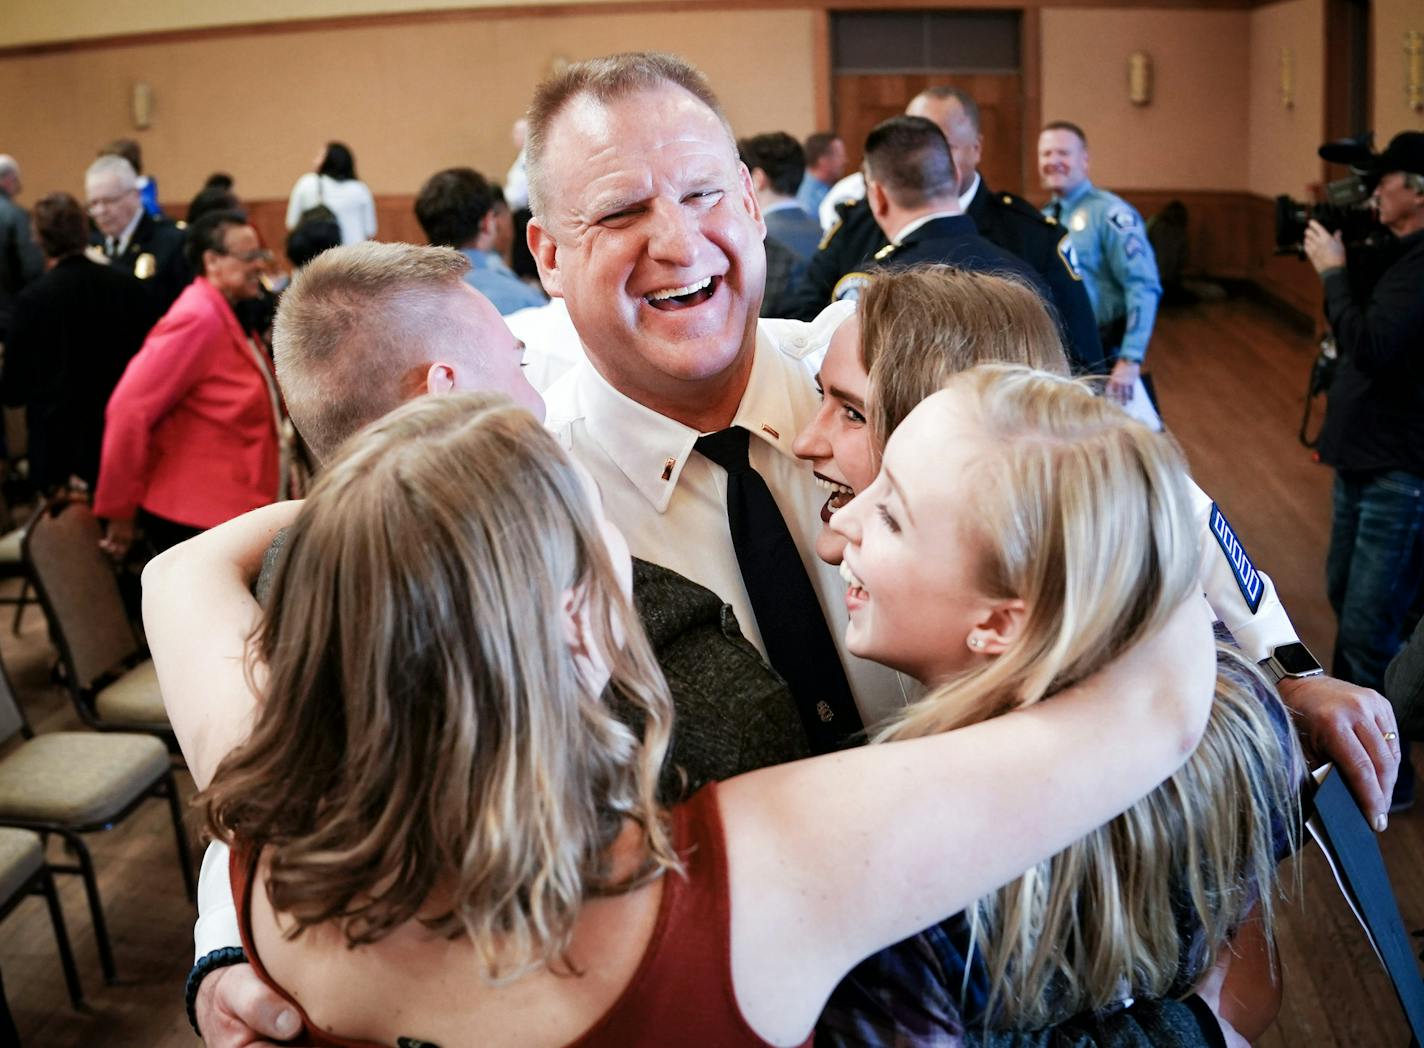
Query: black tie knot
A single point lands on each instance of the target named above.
(729, 448)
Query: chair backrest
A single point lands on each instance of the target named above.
(77, 587)
(11, 719)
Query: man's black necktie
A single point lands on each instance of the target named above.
(798, 643)
(1057, 210)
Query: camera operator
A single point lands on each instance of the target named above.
(1373, 433)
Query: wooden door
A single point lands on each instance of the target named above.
(862, 100)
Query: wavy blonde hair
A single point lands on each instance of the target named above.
(423, 722)
(1085, 516)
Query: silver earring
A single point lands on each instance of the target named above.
(976, 642)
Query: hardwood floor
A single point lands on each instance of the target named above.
(1231, 376)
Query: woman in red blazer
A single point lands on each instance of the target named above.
(192, 431)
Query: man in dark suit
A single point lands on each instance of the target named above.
(131, 239)
(1014, 224)
(73, 332)
(912, 194)
(777, 163)
(1003, 219)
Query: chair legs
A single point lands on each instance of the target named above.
(91, 889)
(185, 858)
(23, 601)
(61, 938)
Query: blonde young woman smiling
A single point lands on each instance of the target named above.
(1045, 494)
(441, 828)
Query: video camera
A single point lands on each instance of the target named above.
(1346, 205)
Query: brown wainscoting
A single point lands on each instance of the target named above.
(1231, 236)
(395, 220)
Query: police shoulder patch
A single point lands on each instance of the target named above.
(1069, 257)
(1248, 580)
(849, 287)
(1123, 218)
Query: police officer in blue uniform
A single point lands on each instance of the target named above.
(1112, 250)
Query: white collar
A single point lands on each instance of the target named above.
(969, 194)
(651, 449)
(121, 242)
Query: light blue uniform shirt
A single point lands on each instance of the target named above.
(492, 278)
(811, 193)
(1116, 260)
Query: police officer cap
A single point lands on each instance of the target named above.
(1405, 152)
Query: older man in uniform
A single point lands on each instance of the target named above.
(1113, 252)
(131, 239)
(647, 225)
(1006, 221)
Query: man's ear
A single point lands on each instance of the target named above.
(999, 628)
(750, 201)
(439, 378)
(485, 238)
(546, 256)
(878, 199)
(759, 179)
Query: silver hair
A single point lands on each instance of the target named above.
(113, 165)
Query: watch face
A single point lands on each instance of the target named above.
(1295, 659)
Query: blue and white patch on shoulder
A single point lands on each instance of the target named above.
(1248, 580)
(1069, 258)
(1124, 218)
(849, 287)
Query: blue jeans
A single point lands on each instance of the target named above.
(1373, 569)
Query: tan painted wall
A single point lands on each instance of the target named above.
(1392, 18)
(34, 21)
(408, 99)
(1283, 141)
(1199, 68)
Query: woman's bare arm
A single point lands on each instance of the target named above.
(198, 611)
(835, 857)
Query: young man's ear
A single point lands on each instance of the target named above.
(546, 256)
(439, 378)
(877, 198)
(1001, 625)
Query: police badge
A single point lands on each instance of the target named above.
(145, 266)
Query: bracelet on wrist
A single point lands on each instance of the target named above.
(207, 964)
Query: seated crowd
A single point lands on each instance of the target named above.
(816, 653)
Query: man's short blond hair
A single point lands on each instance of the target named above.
(355, 327)
(606, 79)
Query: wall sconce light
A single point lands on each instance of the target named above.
(1139, 78)
(1287, 78)
(142, 106)
(1414, 70)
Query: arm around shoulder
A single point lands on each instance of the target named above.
(833, 858)
(198, 612)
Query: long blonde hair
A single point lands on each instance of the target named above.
(424, 723)
(1085, 515)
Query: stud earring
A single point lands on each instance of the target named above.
(976, 642)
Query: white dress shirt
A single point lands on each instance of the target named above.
(672, 504)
